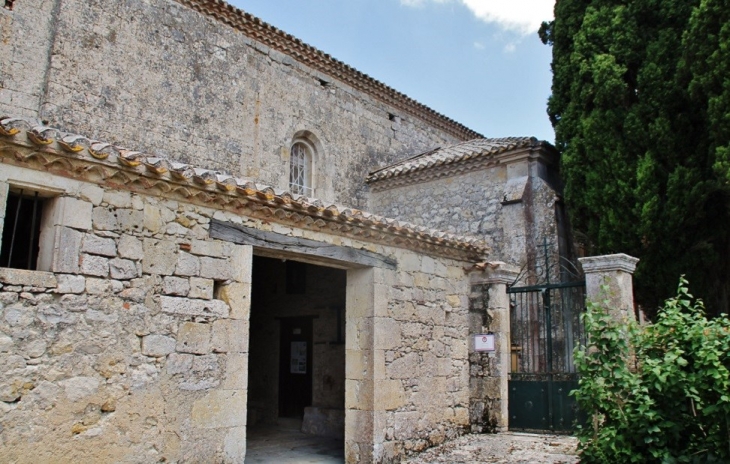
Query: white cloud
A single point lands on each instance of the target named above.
(521, 16)
(479, 46)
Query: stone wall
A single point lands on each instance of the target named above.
(163, 78)
(407, 358)
(134, 347)
(513, 206)
(136, 341)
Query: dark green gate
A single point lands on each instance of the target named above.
(545, 327)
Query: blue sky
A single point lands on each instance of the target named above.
(479, 62)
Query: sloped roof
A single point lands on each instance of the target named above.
(279, 40)
(76, 156)
(453, 154)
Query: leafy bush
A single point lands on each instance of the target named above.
(658, 392)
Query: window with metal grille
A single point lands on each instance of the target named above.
(21, 230)
(300, 169)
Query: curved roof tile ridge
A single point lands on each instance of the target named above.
(279, 40)
(142, 171)
(452, 154)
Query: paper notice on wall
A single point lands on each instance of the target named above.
(298, 358)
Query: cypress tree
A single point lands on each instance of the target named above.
(641, 109)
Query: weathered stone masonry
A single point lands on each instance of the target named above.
(211, 87)
(130, 343)
(138, 347)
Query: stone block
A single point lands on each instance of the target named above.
(241, 261)
(66, 251)
(236, 377)
(10, 276)
(405, 367)
(6, 343)
(123, 269)
(18, 317)
(179, 363)
(428, 265)
(96, 245)
(410, 262)
(94, 265)
(152, 219)
(176, 286)
(118, 198)
(187, 264)
(389, 394)
(74, 303)
(96, 286)
(359, 293)
(237, 296)
(70, 212)
(214, 268)
(130, 220)
(190, 307)
(193, 338)
(130, 247)
(157, 345)
(360, 331)
(359, 394)
(234, 444)
(80, 388)
(358, 364)
(70, 283)
(173, 228)
(160, 257)
(230, 336)
(91, 193)
(214, 249)
(103, 219)
(405, 424)
(359, 426)
(137, 202)
(201, 288)
(220, 409)
(386, 333)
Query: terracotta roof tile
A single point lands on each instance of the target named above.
(454, 154)
(157, 175)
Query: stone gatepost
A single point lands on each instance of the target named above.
(609, 278)
(489, 310)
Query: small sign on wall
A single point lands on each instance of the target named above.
(298, 358)
(484, 342)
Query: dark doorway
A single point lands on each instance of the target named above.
(296, 341)
(295, 366)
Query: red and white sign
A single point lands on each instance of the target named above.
(484, 342)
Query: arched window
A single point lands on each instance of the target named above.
(300, 169)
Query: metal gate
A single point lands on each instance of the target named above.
(545, 327)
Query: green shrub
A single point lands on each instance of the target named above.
(658, 392)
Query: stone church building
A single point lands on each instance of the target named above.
(208, 225)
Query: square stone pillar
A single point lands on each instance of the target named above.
(490, 371)
(609, 278)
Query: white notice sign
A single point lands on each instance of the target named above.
(484, 342)
(298, 358)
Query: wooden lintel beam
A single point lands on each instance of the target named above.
(266, 240)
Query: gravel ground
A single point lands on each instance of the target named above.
(502, 448)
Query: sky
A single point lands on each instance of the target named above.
(479, 62)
